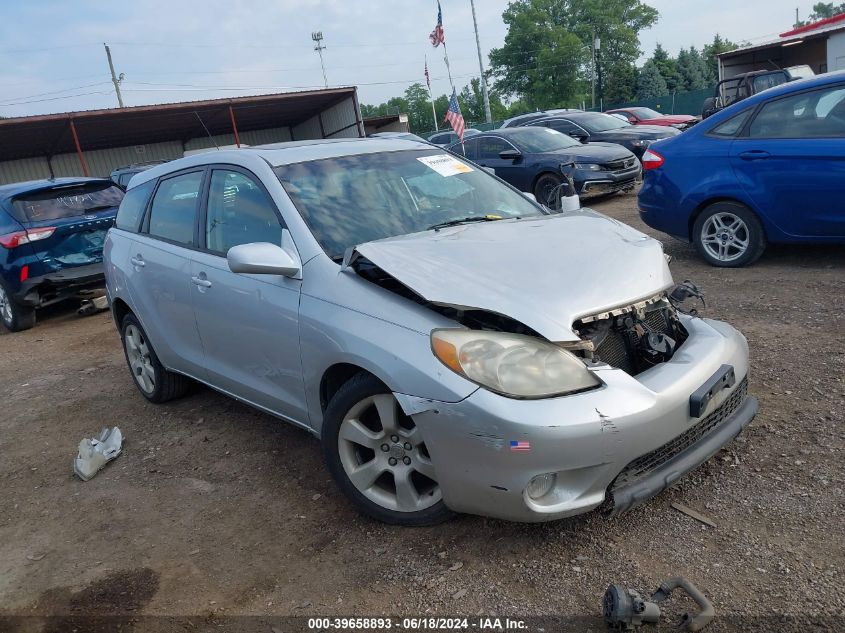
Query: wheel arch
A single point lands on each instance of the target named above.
(710, 201)
(337, 375)
(119, 310)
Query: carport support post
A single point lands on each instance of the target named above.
(234, 126)
(79, 153)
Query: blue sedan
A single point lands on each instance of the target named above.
(769, 169)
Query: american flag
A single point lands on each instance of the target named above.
(520, 445)
(437, 36)
(454, 116)
(427, 78)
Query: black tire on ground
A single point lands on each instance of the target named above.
(360, 387)
(14, 316)
(709, 107)
(547, 190)
(755, 233)
(167, 385)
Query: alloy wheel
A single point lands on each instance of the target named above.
(384, 456)
(5, 307)
(725, 236)
(140, 363)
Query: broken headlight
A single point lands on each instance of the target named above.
(511, 364)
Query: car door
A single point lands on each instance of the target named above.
(790, 160)
(249, 324)
(160, 279)
(508, 169)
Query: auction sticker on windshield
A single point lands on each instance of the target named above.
(445, 165)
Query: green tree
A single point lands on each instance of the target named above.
(650, 83)
(620, 84)
(546, 58)
(823, 10)
(709, 54)
(668, 68)
(692, 70)
(471, 100)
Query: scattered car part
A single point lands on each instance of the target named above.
(626, 610)
(96, 452)
(684, 291)
(92, 306)
(693, 514)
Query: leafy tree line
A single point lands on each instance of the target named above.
(822, 10)
(546, 62)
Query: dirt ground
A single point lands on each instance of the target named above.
(216, 510)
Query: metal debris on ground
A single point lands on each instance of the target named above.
(680, 507)
(92, 306)
(626, 610)
(96, 452)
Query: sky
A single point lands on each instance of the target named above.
(52, 57)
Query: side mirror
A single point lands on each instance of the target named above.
(510, 154)
(580, 136)
(262, 258)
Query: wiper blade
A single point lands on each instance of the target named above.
(472, 218)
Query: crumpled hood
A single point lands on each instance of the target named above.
(545, 272)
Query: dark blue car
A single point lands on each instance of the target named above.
(770, 168)
(535, 160)
(51, 242)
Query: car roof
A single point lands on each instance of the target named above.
(15, 189)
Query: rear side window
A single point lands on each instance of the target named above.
(732, 126)
(489, 147)
(816, 114)
(71, 201)
(132, 208)
(174, 209)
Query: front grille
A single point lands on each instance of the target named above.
(618, 165)
(644, 465)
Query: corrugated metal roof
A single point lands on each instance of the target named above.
(808, 31)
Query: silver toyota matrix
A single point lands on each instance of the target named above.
(455, 346)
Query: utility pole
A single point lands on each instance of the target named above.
(317, 36)
(114, 78)
(593, 71)
(484, 93)
(597, 66)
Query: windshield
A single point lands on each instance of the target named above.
(67, 202)
(646, 113)
(599, 122)
(354, 199)
(536, 140)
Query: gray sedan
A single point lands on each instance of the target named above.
(455, 346)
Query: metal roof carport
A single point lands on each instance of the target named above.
(95, 142)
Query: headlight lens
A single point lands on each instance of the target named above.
(511, 364)
(588, 166)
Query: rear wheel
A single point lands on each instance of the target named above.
(547, 190)
(377, 456)
(729, 235)
(154, 382)
(14, 316)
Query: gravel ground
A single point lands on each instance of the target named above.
(217, 510)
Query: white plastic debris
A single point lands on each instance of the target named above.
(96, 452)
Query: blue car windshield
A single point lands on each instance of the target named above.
(67, 201)
(350, 200)
(538, 140)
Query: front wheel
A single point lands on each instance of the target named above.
(15, 316)
(547, 190)
(378, 458)
(729, 235)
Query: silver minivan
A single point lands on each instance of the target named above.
(455, 346)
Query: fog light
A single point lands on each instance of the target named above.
(540, 485)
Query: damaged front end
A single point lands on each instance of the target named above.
(633, 338)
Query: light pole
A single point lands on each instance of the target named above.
(317, 36)
(486, 97)
(115, 80)
(597, 68)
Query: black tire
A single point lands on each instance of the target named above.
(359, 388)
(166, 384)
(756, 236)
(547, 191)
(14, 316)
(708, 108)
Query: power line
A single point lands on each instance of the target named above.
(84, 94)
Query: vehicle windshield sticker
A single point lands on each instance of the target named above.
(445, 165)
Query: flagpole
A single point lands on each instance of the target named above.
(430, 96)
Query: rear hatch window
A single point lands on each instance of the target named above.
(61, 203)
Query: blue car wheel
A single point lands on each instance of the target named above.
(729, 235)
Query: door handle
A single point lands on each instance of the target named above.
(754, 154)
(201, 282)
(137, 261)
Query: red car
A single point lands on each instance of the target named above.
(647, 116)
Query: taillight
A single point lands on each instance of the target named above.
(652, 160)
(13, 240)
